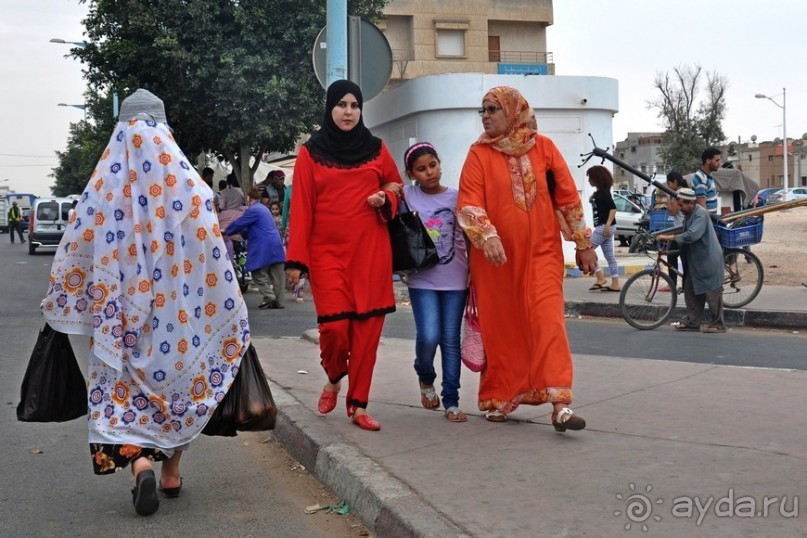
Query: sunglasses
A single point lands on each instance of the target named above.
(490, 109)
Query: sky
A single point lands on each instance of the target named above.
(757, 45)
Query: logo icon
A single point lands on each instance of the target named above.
(638, 507)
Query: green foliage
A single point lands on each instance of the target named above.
(691, 123)
(235, 75)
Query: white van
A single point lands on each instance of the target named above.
(48, 222)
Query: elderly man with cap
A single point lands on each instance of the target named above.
(15, 222)
(703, 255)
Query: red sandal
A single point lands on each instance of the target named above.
(366, 422)
(327, 401)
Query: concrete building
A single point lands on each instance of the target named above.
(639, 150)
(430, 37)
(443, 110)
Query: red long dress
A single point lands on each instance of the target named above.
(343, 245)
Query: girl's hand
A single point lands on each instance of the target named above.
(377, 200)
(394, 188)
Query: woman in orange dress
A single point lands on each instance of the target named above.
(516, 196)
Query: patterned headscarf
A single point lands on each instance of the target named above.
(143, 270)
(516, 141)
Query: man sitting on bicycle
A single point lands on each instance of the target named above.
(703, 260)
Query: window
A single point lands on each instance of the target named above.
(450, 42)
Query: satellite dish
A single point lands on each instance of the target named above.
(753, 138)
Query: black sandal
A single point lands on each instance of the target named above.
(144, 494)
(172, 493)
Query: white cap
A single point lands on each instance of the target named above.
(142, 102)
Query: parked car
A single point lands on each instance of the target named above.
(761, 197)
(794, 193)
(48, 221)
(26, 217)
(628, 215)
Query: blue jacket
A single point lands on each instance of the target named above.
(264, 245)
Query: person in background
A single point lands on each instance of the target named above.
(345, 190)
(438, 294)
(230, 194)
(703, 277)
(704, 184)
(15, 222)
(604, 210)
(265, 255)
(164, 348)
(276, 208)
(675, 181)
(72, 211)
(207, 176)
(514, 213)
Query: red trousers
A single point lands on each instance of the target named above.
(349, 347)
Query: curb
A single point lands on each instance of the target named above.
(733, 317)
(384, 503)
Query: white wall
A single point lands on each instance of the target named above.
(442, 110)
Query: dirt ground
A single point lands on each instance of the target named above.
(783, 250)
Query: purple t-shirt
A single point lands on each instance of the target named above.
(438, 213)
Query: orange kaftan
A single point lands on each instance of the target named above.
(520, 303)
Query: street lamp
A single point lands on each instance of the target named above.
(81, 107)
(783, 106)
(79, 44)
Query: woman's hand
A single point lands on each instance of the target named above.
(293, 276)
(606, 231)
(494, 251)
(377, 200)
(586, 260)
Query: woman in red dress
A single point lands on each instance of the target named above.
(345, 189)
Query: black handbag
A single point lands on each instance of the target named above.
(53, 388)
(412, 248)
(248, 406)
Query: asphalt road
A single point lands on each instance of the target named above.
(242, 486)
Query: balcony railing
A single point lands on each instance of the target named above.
(519, 57)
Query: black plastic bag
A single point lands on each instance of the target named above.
(248, 406)
(53, 388)
(412, 248)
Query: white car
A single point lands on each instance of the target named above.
(628, 215)
(794, 193)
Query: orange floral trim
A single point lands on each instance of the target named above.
(530, 397)
(476, 225)
(573, 225)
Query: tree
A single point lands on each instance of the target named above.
(235, 75)
(691, 122)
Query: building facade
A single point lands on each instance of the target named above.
(430, 37)
(641, 151)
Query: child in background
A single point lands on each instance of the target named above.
(437, 294)
(276, 210)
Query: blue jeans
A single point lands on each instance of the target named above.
(438, 319)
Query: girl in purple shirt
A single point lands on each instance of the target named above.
(437, 294)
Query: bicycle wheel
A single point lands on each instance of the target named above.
(642, 302)
(743, 277)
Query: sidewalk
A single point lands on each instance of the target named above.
(776, 307)
(677, 449)
(661, 433)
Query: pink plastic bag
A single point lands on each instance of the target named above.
(472, 351)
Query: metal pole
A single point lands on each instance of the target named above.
(784, 137)
(114, 105)
(354, 49)
(336, 41)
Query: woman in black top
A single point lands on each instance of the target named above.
(604, 210)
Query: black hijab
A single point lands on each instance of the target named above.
(334, 147)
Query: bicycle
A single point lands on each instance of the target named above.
(646, 303)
